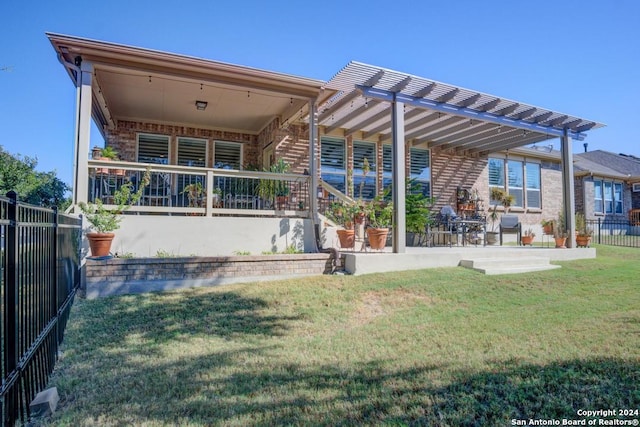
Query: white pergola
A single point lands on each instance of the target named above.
(397, 107)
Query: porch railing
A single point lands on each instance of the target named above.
(634, 216)
(202, 191)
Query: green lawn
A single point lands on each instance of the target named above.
(432, 347)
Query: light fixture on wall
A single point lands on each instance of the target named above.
(201, 105)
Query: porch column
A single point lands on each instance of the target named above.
(83, 129)
(313, 163)
(568, 190)
(398, 174)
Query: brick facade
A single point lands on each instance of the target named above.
(122, 271)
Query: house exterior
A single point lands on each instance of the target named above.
(608, 186)
(220, 126)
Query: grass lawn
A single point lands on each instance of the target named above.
(433, 347)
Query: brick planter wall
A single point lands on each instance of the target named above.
(121, 276)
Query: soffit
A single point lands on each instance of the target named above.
(132, 83)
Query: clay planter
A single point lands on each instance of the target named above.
(526, 240)
(346, 238)
(548, 229)
(561, 242)
(377, 237)
(100, 243)
(583, 241)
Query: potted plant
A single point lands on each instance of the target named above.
(560, 232)
(194, 192)
(379, 215)
(417, 212)
(547, 226)
(110, 154)
(583, 232)
(217, 197)
(499, 197)
(527, 237)
(342, 214)
(274, 190)
(104, 221)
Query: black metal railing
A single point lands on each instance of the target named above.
(614, 232)
(40, 261)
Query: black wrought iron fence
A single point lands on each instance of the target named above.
(614, 232)
(40, 261)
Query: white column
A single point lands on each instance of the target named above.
(83, 130)
(568, 190)
(313, 162)
(399, 177)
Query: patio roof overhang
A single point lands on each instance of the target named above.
(438, 114)
(132, 83)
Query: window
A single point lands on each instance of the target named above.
(153, 149)
(387, 168)
(420, 169)
(607, 197)
(333, 162)
(598, 201)
(532, 171)
(518, 178)
(192, 152)
(364, 186)
(515, 180)
(227, 155)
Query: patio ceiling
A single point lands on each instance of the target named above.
(131, 83)
(438, 114)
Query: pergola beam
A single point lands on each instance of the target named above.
(469, 113)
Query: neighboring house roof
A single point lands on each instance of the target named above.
(607, 164)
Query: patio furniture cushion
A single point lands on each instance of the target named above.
(510, 224)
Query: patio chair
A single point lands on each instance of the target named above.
(510, 224)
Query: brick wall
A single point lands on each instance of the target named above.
(123, 139)
(122, 271)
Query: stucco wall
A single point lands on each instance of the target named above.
(145, 235)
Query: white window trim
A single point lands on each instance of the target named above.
(139, 134)
(228, 142)
(206, 148)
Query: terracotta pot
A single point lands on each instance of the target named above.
(377, 237)
(583, 241)
(100, 243)
(526, 240)
(492, 237)
(346, 238)
(548, 229)
(561, 242)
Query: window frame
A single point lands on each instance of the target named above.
(230, 143)
(158, 136)
(370, 187)
(183, 139)
(506, 180)
(609, 203)
(331, 174)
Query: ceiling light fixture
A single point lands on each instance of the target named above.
(201, 105)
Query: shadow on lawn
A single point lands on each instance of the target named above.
(164, 317)
(116, 373)
(196, 391)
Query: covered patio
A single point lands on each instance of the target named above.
(204, 123)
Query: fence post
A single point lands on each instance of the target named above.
(55, 296)
(599, 231)
(10, 305)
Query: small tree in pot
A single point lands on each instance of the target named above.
(104, 221)
(500, 198)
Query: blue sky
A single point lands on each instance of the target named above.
(579, 57)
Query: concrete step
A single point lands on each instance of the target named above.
(512, 265)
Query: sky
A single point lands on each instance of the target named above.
(578, 57)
